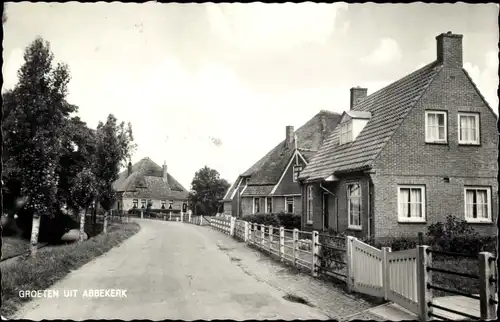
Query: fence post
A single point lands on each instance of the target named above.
(295, 245)
(420, 238)
(263, 236)
(282, 243)
(170, 217)
(182, 216)
(315, 253)
(271, 231)
(385, 271)
(233, 224)
(487, 288)
(189, 216)
(424, 260)
(245, 238)
(142, 214)
(349, 263)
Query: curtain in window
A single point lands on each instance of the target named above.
(354, 204)
(482, 206)
(432, 125)
(467, 128)
(469, 203)
(404, 201)
(416, 203)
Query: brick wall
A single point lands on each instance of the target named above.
(407, 159)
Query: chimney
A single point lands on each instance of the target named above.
(449, 50)
(165, 177)
(289, 136)
(357, 94)
(129, 169)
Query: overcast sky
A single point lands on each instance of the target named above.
(216, 84)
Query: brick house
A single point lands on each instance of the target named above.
(270, 185)
(408, 155)
(146, 181)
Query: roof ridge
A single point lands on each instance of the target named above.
(401, 80)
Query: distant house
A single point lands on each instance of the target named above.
(146, 182)
(408, 155)
(270, 185)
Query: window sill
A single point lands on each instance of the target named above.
(481, 222)
(356, 228)
(309, 222)
(414, 221)
(437, 142)
(469, 144)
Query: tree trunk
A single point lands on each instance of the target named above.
(82, 224)
(105, 225)
(34, 234)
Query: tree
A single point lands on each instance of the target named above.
(83, 191)
(115, 145)
(207, 188)
(36, 111)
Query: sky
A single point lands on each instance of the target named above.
(216, 84)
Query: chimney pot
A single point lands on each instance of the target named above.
(357, 94)
(289, 136)
(449, 49)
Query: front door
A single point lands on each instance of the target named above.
(326, 213)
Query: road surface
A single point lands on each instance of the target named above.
(168, 270)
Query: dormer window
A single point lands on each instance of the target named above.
(345, 132)
(351, 125)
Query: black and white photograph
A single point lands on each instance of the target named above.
(249, 161)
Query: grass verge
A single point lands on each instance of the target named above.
(12, 246)
(52, 264)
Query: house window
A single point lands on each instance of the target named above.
(345, 132)
(468, 128)
(411, 203)
(296, 172)
(170, 204)
(435, 126)
(256, 205)
(163, 202)
(289, 205)
(150, 203)
(136, 203)
(143, 203)
(309, 204)
(354, 205)
(269, 205)
(477, 204)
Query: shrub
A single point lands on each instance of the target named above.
(331, 256)
(288, 221)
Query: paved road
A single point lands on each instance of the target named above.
(169, 270)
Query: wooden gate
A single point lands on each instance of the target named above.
(401, 279)
(367, 265)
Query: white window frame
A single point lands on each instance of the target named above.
(488, 199)
(345, 135)
(403, 219)
(135, 202)
(143, 203)
(431, 140)
(287, 203)
(478, 132)
(310, 204)
(350, 225)
(253, 204)
(267, 204)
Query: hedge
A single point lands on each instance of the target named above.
(288, 221)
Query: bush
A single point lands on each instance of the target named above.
(331, 257)
(289, 221)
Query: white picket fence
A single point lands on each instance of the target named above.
(401, 277)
